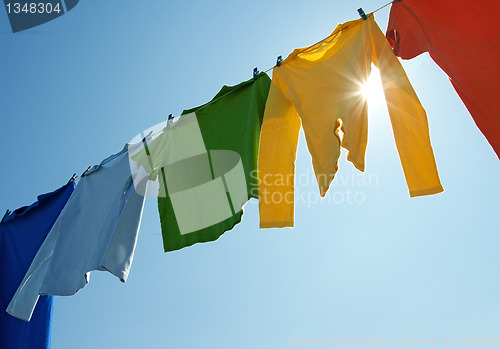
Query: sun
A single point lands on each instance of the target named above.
(373, 90)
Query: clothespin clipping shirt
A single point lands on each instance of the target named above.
(5, 215)
(73, 178)
(362, 13)
(84, 172)
(170, 120)
(255, 73)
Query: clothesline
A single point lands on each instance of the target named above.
(75, 178)
(303, 50)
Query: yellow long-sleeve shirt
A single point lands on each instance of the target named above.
(320, 86)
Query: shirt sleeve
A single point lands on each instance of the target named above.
(408, 119)
(276, 166)
(26, 297)
(404, 33)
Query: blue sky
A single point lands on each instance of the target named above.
(76, 89)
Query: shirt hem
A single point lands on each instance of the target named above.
(284, 224)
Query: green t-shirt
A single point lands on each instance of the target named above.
(206, 164)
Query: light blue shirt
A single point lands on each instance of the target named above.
(97, 230)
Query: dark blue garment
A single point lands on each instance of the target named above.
(22, 233)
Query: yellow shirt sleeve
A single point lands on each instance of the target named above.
(276, 167)
(408, 119)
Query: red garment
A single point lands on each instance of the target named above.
(463, 38)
